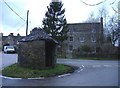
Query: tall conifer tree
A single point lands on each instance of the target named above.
(55, 23)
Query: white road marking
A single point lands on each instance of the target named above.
(63, 75)
(37, 78)
(9, 77)
(20, 78)
(83, 66)
(81, 69)
(96, 66)
(107, 65)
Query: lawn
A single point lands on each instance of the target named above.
(19, 72)
(0, 47)
(95, 58)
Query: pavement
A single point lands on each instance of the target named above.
(89, 73)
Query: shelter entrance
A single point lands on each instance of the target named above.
(49, 54)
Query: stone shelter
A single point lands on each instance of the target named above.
(37, 50)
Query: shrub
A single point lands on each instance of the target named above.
(86, 48)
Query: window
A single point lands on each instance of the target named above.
(82, 39)
(93, 39)
(71, 38)
(93, 31)
(70, 47)
(9, 37)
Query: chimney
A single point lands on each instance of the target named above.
(101, 20)
(11, 34)
(1, 34)
(18, 34)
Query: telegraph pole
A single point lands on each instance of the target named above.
(27, 23)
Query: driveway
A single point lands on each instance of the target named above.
(90, 73)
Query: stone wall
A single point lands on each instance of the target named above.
(32, 54)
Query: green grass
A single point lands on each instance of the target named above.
(0, 47)
(19, 72)
(95, 58)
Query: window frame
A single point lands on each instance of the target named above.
(82, 39)
(71, 38)
(70, 47)
(93, 30)
(93, 39)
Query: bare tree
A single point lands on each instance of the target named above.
(113, 28)
(92, 18)
(103, 12)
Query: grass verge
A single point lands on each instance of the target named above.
(95, 58)
(16, 71)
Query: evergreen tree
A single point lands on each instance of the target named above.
(55, 23)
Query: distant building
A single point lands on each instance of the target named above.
(79, 34)
(10, 39)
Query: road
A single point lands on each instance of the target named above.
(90, 73)
(8, 59)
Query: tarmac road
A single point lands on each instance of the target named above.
(90, 73)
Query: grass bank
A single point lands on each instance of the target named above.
(16, 71)
(95, 58)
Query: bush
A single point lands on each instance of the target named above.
(108, 48)
(86, 48)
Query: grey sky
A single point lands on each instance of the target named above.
(76, 12)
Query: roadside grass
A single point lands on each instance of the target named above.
(0, 48)
(96, 58)
(16, 71)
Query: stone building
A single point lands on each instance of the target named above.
(37, 50)
(11, 39)
(79, 34)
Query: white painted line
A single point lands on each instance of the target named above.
(81, 69)
(63, 75)
(107, 65)
(20, 78)
(83, 66)
(36, 78)
(9, 77)
(15, 78)
(96, 66)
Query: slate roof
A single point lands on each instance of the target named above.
(4, 39)
(77, 27)
(37, 34)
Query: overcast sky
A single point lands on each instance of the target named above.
(75, 12)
